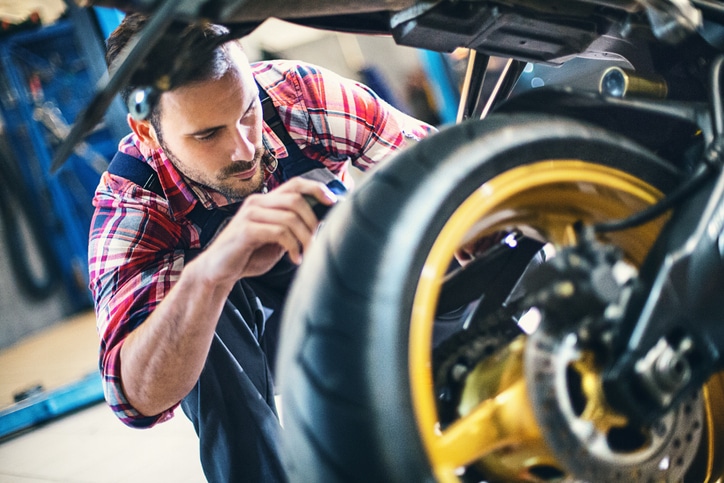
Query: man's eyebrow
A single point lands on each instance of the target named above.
(251, 105)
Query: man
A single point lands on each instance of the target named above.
(187, 322)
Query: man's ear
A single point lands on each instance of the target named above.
(144, 131)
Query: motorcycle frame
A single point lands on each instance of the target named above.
(671, 336)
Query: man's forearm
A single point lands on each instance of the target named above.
(162, 359)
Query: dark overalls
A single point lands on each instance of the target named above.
(232, 405)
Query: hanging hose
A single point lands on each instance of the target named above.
(15, 210)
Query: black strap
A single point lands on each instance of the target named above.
(296, 162)
(132, 168)
(274, 121)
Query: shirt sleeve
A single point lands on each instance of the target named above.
(133, 263)
(350, 121)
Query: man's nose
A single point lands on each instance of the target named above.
(244, 147)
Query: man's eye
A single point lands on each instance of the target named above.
(208, 136)
(250, 113)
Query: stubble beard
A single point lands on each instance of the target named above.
(225, 181)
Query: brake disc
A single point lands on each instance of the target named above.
(587, 437)
(563, 372)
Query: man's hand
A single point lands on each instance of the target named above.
(265, 228)
(477, 247)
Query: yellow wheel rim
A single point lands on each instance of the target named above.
(544, 199)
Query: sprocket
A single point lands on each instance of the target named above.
(455, 357)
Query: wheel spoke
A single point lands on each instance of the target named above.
(493, 425)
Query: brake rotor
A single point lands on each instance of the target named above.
(588, 438)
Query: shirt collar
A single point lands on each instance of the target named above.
(182, 193)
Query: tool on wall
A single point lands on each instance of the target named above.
(47, 76)
(16, 213)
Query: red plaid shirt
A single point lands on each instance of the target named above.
(138, 239)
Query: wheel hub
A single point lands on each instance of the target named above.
(586, 435)
(589, 438)
(553, 378)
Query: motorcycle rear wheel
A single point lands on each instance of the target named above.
(355, 357)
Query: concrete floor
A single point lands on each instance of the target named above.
(89, 445)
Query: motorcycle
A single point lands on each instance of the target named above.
(531, 294)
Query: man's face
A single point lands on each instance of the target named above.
(212, 131)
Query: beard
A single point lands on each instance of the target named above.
(225, 180)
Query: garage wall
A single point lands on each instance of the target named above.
(48, 10)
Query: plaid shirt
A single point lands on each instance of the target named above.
(138, 239)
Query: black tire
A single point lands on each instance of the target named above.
(344, 357)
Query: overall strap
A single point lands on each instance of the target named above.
(133, 169)
(296, 163)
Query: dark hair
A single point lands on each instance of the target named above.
(185, 54)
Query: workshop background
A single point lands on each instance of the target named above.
(53, 424)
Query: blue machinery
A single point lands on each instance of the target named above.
(46, 405)
(47, 76)
(445, 90)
